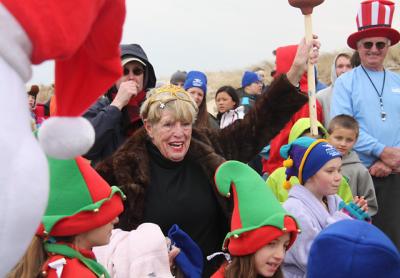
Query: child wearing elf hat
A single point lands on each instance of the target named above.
(83, 38)
(81, 212)
(314, 201)
(278, 177)
(261, 230)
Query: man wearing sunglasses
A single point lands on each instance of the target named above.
(116, 115)
(371, 94)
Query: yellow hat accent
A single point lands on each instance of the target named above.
(287, 185)
(288, 163)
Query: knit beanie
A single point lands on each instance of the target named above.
(257, 218)
(79, 200)
(305, 156)
(250, 77)
(196, 79)
(353, 248)
(178, 77)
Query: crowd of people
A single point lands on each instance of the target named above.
(169, 190)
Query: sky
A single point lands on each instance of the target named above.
(221, 35)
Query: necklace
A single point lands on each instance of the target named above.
(380, 95)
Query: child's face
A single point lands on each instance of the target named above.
(268, 258)
(327, 180)
(343, 139)
(96, 237)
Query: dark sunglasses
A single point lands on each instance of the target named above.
(135, 71)
(378, 45)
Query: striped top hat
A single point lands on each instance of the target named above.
(374, 19)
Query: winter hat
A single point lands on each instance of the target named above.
(257, 218)
(190, 257)
(196, 79)
(305, 156)
(178, 77)
(33, 91)
(250, 77)
(284, 59)
(134, 52)
(374, 19)
(79, 199)
(353, 248)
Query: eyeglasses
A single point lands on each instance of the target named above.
(378, 45)
(135, 71)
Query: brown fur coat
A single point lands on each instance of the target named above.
(129, 167)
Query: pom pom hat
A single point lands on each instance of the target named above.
(305, 156)
(84, 42)
(79, 200)
(257, 217)
(374, 19)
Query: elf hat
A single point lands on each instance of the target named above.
(374, 19)
(257, 218)
(79, 200)
(305, 156)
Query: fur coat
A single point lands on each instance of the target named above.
(129, 166)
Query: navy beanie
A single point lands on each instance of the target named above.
(353, 248)
(196, 79)
(250, 77)
(190, 259)
(315, 154)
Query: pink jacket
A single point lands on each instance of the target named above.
(138, 253)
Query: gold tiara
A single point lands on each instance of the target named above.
(175, 93)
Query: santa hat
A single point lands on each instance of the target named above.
(305, 156)
(257, 218)
(374, 19)
(79, 200)
(84, 42)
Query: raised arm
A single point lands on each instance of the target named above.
(245, 138)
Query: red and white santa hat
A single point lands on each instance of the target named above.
(374, 19)
(83, 38)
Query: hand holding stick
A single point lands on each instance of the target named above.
(306, 7)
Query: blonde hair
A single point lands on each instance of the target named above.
(30, 265)
(170, 97)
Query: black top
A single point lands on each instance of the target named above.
(180, 193)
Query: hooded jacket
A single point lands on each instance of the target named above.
(110, 123)
(284, 59)
(325, 95)
(360, 180)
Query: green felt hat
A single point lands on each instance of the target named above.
(80, 199)
(257, 217)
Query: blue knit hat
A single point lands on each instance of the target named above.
(250, 77)
(305, 156)
(353, 248)
(196, 79)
